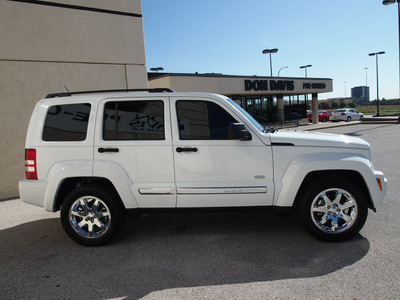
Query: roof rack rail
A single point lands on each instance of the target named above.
(67, 94)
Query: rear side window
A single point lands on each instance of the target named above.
(67, 122)
(134, 120)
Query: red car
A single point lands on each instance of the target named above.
(323, 115)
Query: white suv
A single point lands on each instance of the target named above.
(97, 156)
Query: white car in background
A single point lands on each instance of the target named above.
(346, 114)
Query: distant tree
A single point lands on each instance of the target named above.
(324, 105)
(352, 104)
(342, 105)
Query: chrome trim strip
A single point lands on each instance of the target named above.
(156, 191)
(223, 190)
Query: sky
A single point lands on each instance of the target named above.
(228, 36)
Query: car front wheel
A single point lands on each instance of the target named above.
(334, 210)
(91, 216)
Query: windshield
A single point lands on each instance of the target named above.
(247, 115)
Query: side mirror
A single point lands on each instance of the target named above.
(237, 131)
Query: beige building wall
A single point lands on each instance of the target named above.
(83, 45)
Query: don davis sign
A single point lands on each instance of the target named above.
(269, 85)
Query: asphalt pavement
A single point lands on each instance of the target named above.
(210, 256)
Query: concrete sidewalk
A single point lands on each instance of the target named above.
(325, 125)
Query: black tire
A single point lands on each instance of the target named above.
(330, 220)
(325, 120)
(91, 216)
(348, 119)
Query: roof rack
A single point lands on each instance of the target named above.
(67, 94)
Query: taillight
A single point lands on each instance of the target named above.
(343, 114)
(30, 164)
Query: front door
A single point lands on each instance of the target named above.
(212, 170)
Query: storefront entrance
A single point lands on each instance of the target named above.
(265, 110)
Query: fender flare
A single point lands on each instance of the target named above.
(58, 173)
(88, 169)
(117, 175)
(287, 188)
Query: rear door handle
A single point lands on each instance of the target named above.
(103, 150)
(186, 149)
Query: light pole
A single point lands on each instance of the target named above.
(270, 51)
(305, 68)
(366, 76)
(377, 80)
(315, 113)
(157, 69)
(388, 2)
(281, 70)
(345, 88)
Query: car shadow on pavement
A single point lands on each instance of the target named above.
(157, 252)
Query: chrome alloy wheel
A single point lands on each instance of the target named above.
(334, 210)
(90, 217)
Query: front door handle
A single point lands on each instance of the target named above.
(186, 149)
(103, 150)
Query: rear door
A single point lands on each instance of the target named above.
(212, 170)
(133, 148)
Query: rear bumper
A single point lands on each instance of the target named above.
(32, 191)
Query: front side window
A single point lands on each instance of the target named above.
(66, 123)
(134, 120)
(202, 120)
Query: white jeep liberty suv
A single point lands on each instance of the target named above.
(95, 157)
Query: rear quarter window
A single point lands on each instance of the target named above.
(68, 122)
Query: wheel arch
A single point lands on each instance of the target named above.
(349, 175)
(69, 184)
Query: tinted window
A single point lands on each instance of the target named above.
(134, 120)
(202, 120)
(66, 122)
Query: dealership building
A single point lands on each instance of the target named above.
(269, 99)
(50, 46)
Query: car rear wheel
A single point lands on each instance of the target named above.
(348, 119)
(91, 216)
(333, 210)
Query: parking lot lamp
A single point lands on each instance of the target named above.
(377, 80)
(281, 70)
(157, 69)
(388, 2)
(270, 51)
(305, 68)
